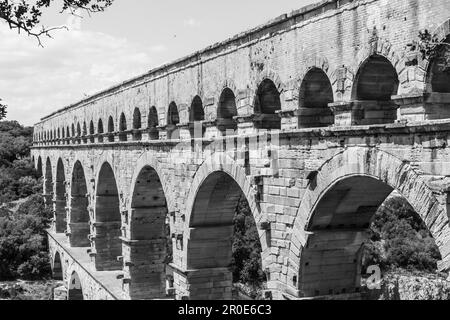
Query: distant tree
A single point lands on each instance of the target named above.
(25, 16)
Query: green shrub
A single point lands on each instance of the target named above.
(23, 242)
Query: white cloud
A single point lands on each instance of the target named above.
(36, 81)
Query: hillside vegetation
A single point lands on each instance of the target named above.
(23, 243)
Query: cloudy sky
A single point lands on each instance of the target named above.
(128, 39)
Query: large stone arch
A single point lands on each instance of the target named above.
(79, 215)
(312, 62)
(147, 234)
(312, 116)
(380, 166)
(148, 159)
(215, 173)
(222, 162)
(230, 84)
(268, 74)
(60, 197)
(380, 47)
(267, 94)
(48, 181)
(108, 220)
(109, 157)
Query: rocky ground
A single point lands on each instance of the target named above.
(414, 286)
(27, 290)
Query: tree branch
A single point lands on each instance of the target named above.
(25, 17)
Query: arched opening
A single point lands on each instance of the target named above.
(315, 95)
(59, 133)
(75, 289)
(57, 270)
(339, 231)
(79, 215)
(110, 129)
(137, 124)
(375, 83)
(149, 232)
(91, 132)
(153, 123)
(218, 204)
(227, 111)
(60, 198)
(267, 104)
(63, 133)
(439, 70)
(173, 119)
(39, 167)
(78, 130)
(48, 183)
(84, 132)
(100, 130)
(67, 132)
(108, 245)
(122, 128)
(196, 116)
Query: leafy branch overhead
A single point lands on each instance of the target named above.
(24, 16)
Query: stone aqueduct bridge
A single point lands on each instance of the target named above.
(332, 113)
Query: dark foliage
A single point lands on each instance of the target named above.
(400, 239)
(246, 262)
(18, 178)
(23, 242)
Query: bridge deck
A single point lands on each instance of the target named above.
(107, 279)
